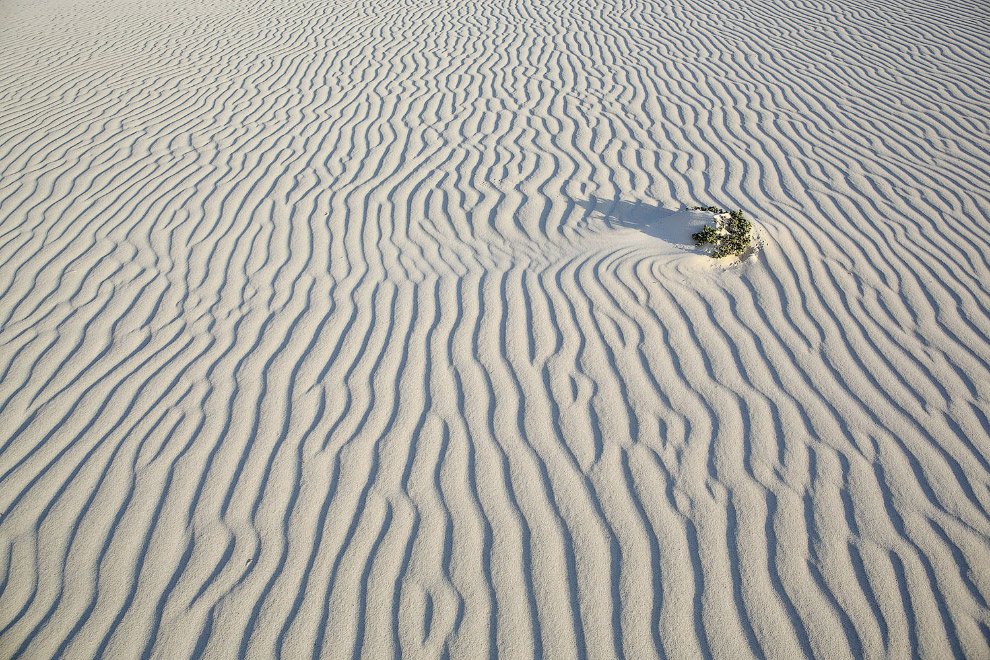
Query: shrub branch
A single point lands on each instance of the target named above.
(728, 235)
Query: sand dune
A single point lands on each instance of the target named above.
(374, 329)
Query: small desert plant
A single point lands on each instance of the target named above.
(728, 236)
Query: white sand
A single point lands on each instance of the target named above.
(364, 329)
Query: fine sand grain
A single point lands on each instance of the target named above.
(353, 329)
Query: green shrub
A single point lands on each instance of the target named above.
(728, 235)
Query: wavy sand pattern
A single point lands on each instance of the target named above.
(353, 329)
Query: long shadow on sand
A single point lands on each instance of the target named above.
(672, 225)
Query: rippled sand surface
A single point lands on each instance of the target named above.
(339, 329)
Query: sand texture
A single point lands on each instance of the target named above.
(353, 329)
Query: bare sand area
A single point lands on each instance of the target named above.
(353, 329)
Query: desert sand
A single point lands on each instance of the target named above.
(352, 329)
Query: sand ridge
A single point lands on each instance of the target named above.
(374, 329)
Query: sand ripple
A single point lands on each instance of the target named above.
(373, 329)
